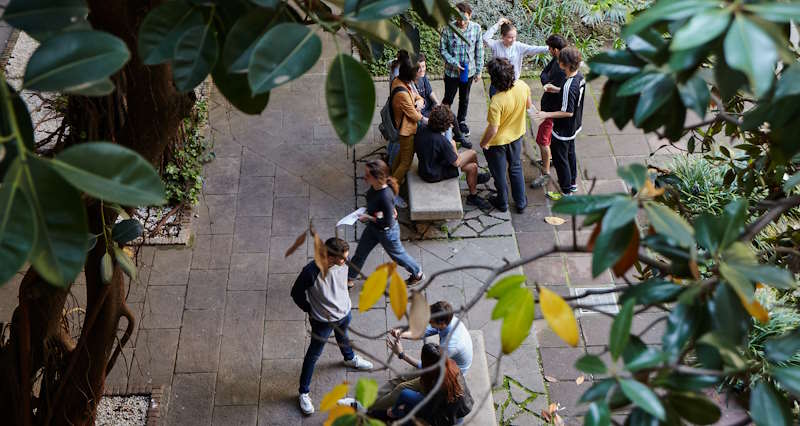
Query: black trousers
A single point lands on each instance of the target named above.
(564, 161)
(453, 85)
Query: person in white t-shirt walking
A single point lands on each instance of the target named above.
(508, 47)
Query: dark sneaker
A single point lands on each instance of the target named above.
(540, 163)
(540, 181)
(464, 129)
(520, 210)
(475, 200)
(496, 204)
(483, 178)
(412, 280)
(466, 144)
(573, 188)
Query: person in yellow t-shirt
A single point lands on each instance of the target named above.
(502, 140)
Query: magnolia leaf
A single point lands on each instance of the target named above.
(330, 398)
(554, 220)
(419, 315)
(126, 230)
(755, 310)
(650, 191)
(517, 322)
(350, 96)
(125, 262)
(398, 294)
(106, 268)
(321, 255)
(366, 391)
(297, 243)
(500, 288)
(559, 316)
(643, 397)
(281, 55)
(598, 414)
(373, 288)
(337, 412)
(750, 49)
(591, 364)
(629, 257)
(782, 348)
(768, 407)
(621, 329)
(668, 223)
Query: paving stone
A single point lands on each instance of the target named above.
(248, 271)
(252, 234)
(579, 270)
(235, 415)
(532, 220)
(609, 186)
(596, 328)
(463, 231)
(565, 238)
(502, 229)
(255, 196)
(240, 354)
(153, 358)
(290, 216)
(488, 221)
(289, 185)
(560, 362)
(206, 289)
(546, 270)
(279, 300)
(221, 176)
(277, 402)
(163, 307)
(171, 267)
(225, 146)
(286, 265)
(284, 339)
(222, 212)
(198, 349)
(523, 366)
(592, 146)
(212, 251)
(191, 399)
(600, 168)
(323, 205)
(255, 165)
(653, 335)
(371, 322)
(567, 394)
(630, 145)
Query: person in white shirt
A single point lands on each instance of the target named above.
(508, 47)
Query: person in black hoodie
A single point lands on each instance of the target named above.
(552, 78)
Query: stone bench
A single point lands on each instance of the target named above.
(480, 384)
(433, 201)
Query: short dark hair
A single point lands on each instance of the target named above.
(570, 57)
(501, 73)
(421, 57)
(336, 247)
(438, 308)
(464, 7)
(440, 119)
(506, 27)
(408, 70)
(556, 42)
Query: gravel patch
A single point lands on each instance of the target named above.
(128, 410)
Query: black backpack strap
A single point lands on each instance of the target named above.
(396, 90)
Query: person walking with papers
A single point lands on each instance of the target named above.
(381, 224)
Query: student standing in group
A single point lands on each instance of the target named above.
(327, 301)
(502, 140)
(508, 47)
(552, 79)
(463, 62)
(381, 219)
(431, 100)
(406, 107)
(567, 121)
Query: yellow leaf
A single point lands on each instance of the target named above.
(559, 316)
(755, 310)
(373, 288)
(650, 191)
(419, 315)
(336, 412)
(554, 220)
(320, 255)
(330, 398)
(398, 294)
(129, 251)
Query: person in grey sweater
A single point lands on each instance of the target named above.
(327, 302)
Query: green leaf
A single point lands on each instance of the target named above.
(695, 408)
(778, 12)
(517, 323)
(106, 268)
(348, 420)
(647, 358)
(727, 349)
(598, 415)
(17, 227)
(727, 79)
(701, 29)
(695, 95)
(241, 40)
(100, 87)
(597, 391)
(654, 290)
(383, 31)
(636, 84)
(666, 222)
(511, 301)
(125, 263)
(126, 230)
(60, 247)
(652, 98)
(350, 95)
(781, 349)
(770, 275)
(236, 89)
(591, 364)
(750, 49)
(728, 316)
(270, 4)
(195, 56)
(788, 377)
(615, 64)
(366, 391)
(792, 182)
(649, 44)
(690, 382)
(283, 54)
(609, 246)
(163, 27)
(122, 177)
(19, 113)
(42, 18)
(667, 11)
(681, 324)
(382, 9)
(643, 397)
(768, 407)
(714, 232)
(634, 175)
(737, 280)
(71, 60)
(585, 204)
(500, 288)
(620, 214)
(621, 329)
(788, 86)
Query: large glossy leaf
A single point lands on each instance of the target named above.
(655, 290)
(517, 322)
(781, 349)
(381, 9)
(507, 283)
(715, 232)
(373, 288)
(647, 357)
(122, 177)
(585, 204)
(776, 11)
(384, 31)
(728, 317)
(649, 44)
(350, 96)
(688, 382)
(24, 126)
(620, 110)
(17, 227)
(241, 40)
(615, 64)
(769, 274)
(727, 349)
(283, 54)
(237, 91)
(591, 364)
(163, 27)
(126, 231)
(42, 18)
(701, 29)
(60, 247)
(727, 79)
(636, 84)
(651, 99)
(366, 391)
(195, 56)
(681, 324)
(559, 316)
(788, 377)
(620, 214)
(750, 49)
(643, 397)
(667, 222)
(673, 10)
(635, 175)
(789, 84)
(695, 408)
(609, 247)
(73, 59)
(768, 407)
(598, 415)
(621, 329)
(695, 95)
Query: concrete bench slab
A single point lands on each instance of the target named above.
(433, 201)
(479, 383)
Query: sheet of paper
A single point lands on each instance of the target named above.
(352, 217)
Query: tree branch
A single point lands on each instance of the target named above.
(775, 209)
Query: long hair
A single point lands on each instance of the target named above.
(505, 28)
(450, 385)
(380, 171)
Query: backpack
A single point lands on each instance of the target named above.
(387, 127)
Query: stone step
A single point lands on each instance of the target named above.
(433, 201)
(480, 384)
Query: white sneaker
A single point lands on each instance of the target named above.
(359, 363)
(351, 402)
(306, 405)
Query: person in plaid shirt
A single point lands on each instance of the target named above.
(458, 56)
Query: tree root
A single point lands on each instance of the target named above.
(125, 312)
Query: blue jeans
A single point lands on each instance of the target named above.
(392, 149)
(407, 400)
(500, 158)
(389, 239)
(319, 335)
